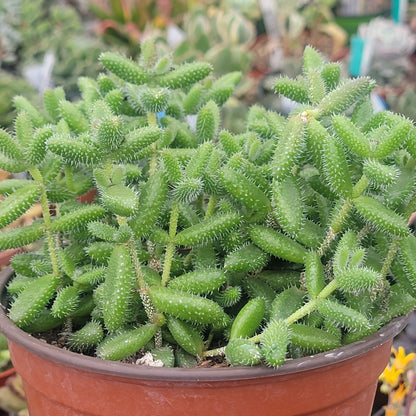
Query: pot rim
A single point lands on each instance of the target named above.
(125, 370)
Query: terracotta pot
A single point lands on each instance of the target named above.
(58, 382)
(88, 197)
(6, 255)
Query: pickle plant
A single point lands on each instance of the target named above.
(288, 239)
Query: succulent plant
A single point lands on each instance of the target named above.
(220, 36)
(287, 239)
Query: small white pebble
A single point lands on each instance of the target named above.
(149, 360)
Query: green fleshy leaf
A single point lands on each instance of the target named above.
(16, 204)
(124, 68)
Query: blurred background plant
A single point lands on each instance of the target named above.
(10, 38)
(12, 395)
(125, 22)
(5, 362)
(233, 35)
(55, 39)
(403, 101)
(310, 22)
(10, 41)
(11, 85)
(43, 43)
(221, 35)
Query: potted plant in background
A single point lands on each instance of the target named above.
(206, 248)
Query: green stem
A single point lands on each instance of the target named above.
(360, 186)
(209, 339)
(158, 339)
(136, 264)
(364, 232)
(310, 306)
(37, 176)
(170, 248)
(143, 286)
(131, 246)
(211, 206)
(338, 221)
(153, 161)
(173, 224)
(391, 254)
(69, 178)
(306, 309)
(199, 203)
(214, 353)
(152, 121)
(336, 226)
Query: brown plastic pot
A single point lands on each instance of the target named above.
(57, 382)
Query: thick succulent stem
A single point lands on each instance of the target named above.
(211, 206)
(37, 176)
(147, 303)
(152, 121)
(136, 264)
(360, 186)
(214, 353)
(69, 178)
(312, 304)
(340, 217)
(305, 310)
(336, 226)
(364, 232)
(170, 249)
(143, 286)
(391, 254)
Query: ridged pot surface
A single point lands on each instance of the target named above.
(58, 382)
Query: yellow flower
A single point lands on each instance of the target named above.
(390, 411)
(160, 21)
(391, 375)
(397, 396)
(401, 360)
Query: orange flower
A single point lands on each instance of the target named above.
(401, 360)
(391, 376)
(397, 396)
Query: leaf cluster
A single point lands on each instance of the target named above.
(287, 239)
